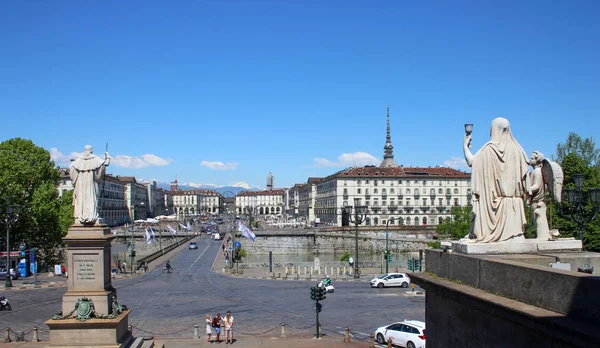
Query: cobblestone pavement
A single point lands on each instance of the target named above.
(167, 306)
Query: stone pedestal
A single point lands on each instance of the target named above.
(106, 333)
(518, 246)
(89, 267)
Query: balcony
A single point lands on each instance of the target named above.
(392, 207)
(424, 208)
(345, 196)
(367, 196)
(417, 194)
(400, 197)
(384, 196)
(376, 208)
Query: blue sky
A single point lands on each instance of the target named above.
(224, 92)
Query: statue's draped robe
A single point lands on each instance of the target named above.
(499, 174)
(86, 173)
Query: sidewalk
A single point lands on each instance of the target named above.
(252, 341)
(47, 281)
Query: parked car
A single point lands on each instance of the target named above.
(193, 245)
(14, 274)
(408, 333)
(391, 279)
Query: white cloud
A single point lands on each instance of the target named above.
(456, 163)
(193, 184)
(61, 159)
(357, 159)
(219, 165)
(143, 161)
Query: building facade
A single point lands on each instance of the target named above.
(404, 196)
(136, 198)
(112, 206)
(196, 202)
(261, 203)
(306, 200)
(65, 181)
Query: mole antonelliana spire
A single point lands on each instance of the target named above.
(388, 149)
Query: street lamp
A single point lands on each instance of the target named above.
(576, 196)
(360, 215)
(387, 250)
(11, 211)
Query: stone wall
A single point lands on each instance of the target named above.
(329, 242)
(478, 301)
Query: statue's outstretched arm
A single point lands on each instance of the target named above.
(468, 155)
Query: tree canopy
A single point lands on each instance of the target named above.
(585, 149)
(458, 226)
(29, 178)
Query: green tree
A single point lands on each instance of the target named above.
(583, 148)
(559, 215)
(456, 227)
(29, 178)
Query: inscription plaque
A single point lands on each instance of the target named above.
(85, 266)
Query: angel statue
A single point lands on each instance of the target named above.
(547, 176)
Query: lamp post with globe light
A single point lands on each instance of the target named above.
(577, 197)
(360, 215)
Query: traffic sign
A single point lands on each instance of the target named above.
(229, 248)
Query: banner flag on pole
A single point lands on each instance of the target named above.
(182, 226)
(188, 226)
(148, 237)
(246, 232)
(173, 231)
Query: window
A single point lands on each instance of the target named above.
(392, 221)
(358, 191)
(416, 221)
(383, 181)
(408, 191)
(432, 192)
(441, 202)
(375, 221)
(345, 191)
(358, 182)
(383, 192)
(440, 220)
(455, 201)
(455, 191)
(392, 191)
(366, 191)
(424, 220)
(383, 203)
(424, 201)
(441, 191)
(375, 191)
(408, 220)
(424, 182)
(367, 203)
(367, 182)
(399, 182)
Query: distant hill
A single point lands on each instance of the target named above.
(233, 189)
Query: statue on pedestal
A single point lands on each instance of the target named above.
(545, 175)
(498, 183)
(86, 173)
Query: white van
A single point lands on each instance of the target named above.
(217, 236)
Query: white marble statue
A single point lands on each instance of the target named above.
(498, 183)
(548, 177)
(87, 172)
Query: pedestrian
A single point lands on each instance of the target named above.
(217, 325)
(228, 328)
(226, 260)
(396, 269)
(208, 320)
(118, 266)
(223, 247)
(145, 266)
(124, 266)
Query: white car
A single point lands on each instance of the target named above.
(408, 333)
(391, 279)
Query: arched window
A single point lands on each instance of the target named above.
(440, 220)
(392, 191)
(424, 220)
(375, 221)
(441, 192)
(345, 191)
(432, 192)
(392, 221)
(368, 221)
(417, 221)
(408, 191)
(455, 191)
(383, 191)
(408, 220)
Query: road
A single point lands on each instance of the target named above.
(168, 305)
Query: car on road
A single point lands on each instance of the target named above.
(391, 279)
(217, 236)
(407, 333)
(193, 245)
(14, 274)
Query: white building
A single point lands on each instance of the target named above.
(136, 198)
(196, 202)
(306, 200)
(261, 203)
(402, 196)
(65, 181)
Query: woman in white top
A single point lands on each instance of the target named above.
(228, 321)
(208, 327)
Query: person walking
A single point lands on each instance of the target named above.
(226, 260)
(124, 266)
(228, 321)
(208, 320)
(217, 321)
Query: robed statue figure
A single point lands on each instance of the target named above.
(87, 172)
(498, 183)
